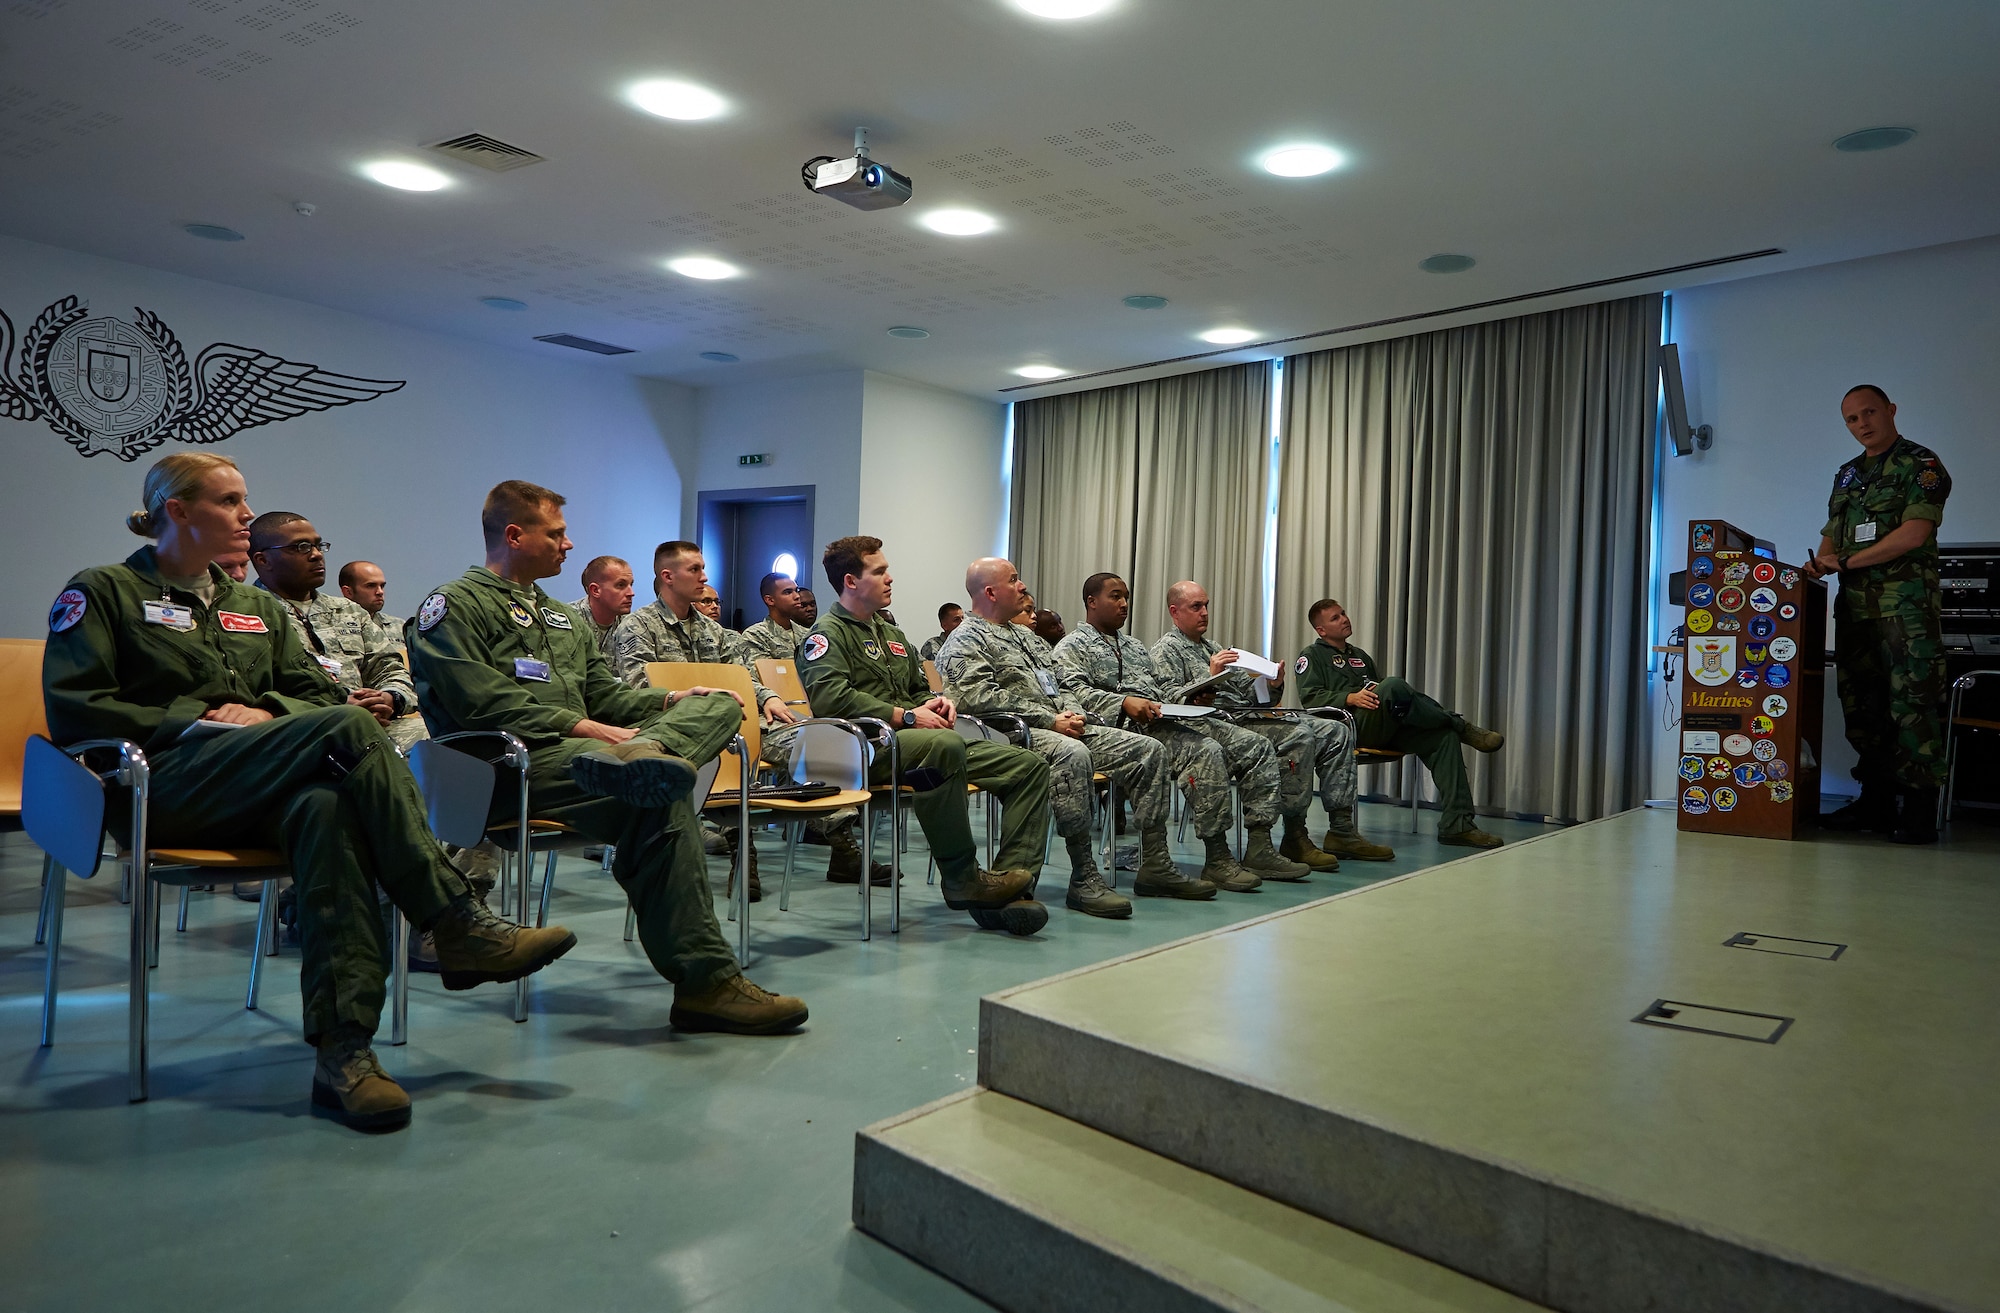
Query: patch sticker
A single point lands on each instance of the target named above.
(1691, 768)
(872, 649)
(1750, 774)
(1720, 767)
(1762, 727)
(1736, 573)
(1299, 666)
(68, 608)
(1765, 750)
(1748, 676)
(1781, 792)
(1927, 480)
(1703, 567)
(1727, 556)
(1788, 579)
(1730, 599)
(1724, 799)
(238, 623)
(556, 619)
(1704, 537)
(1357, 663)
(1762, 626)
(1737, 745)
(1763, 599)
(522, 615)
(1777, 770)
(897, 649)
(1701, 595)
(1729, 624)
(1764, 572)
(1702, 742)
(1700, 622)
(1783, 649)
(1775, 705)
(1755, 653)
(815, 647)
(1695, 801)
(430, 612)
(1778, 676)
(1711, 660)
(1847, 476)
(1788, 612)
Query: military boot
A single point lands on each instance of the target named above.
(1158, 877)
(1220, 868)
(1297, 846)
(756, 887)
(1479, 740)
(1087, 891)
(475, 947)
(1261, 858)
(1875, 809)
(977, 889)
(1917, 819)
(351, 1087)
(843, 864)
(637, 771)
(735, 1005)
(1022, 917)
(1471, 837)
(1343, 839)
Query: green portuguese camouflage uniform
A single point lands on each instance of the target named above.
(1101, 670)
(1306, 747)
(320, 782)
(489, 654)
(1407, 721)
(988, 668)
(856, 668)
(357, 652)
(1891, 673)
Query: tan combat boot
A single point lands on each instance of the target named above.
(1344, 840)
(1480, 740)
(1297, 846)
(1261, 858)
(1221, 870)
(735, 1005)
(475, 947)
(638, 771)
(1158, 877)
(350, 1086)
(1472, 838)
(983, 890)
(1021, 918)
(1087, 891)
(843, 864)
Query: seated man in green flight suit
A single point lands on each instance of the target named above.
(1388, 713)
(491, 651)
(856, 664)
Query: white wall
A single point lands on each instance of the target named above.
(930, 489)
(1766, 361)
(398, 480)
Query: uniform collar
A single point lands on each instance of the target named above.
(1330, 647)
(310, 598)
(841, 612)
(486, 578)
(146, 563)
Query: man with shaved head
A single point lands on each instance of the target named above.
(364, 584)
(1185, 657)
(990, 665)
(607, 599)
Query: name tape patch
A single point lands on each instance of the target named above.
(238, 623)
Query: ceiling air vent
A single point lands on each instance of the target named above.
(586, 344)
(487, 152)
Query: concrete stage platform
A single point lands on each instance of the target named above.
(1615, 1068)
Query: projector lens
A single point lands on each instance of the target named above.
(873, 177)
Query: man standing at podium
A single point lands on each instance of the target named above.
(1881, 539)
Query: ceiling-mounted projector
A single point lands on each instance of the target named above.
(858, 181)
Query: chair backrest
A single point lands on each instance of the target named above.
(704, 778)
(699, 674)
(62, 807)
(976, 731)
(457, 789)
(931, 674)
(21, 715)
(828, 754)
(782, 678)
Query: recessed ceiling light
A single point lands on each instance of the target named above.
(1063, 10)
(910, 331)
(1446, 263)
(212, 232)
(1229, 336)
(959, 223)
(1041, 371)
(502, 303)
(1303, 160)
(671, 99)
(406, 176)
(720, 357)
(703, 267)
(1144, 301)
(1873, 139)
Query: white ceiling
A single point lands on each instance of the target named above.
(1557, 141)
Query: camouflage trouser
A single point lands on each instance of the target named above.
(1200, 755)
(1252, 764)
(406, 732)
(1308, 748)
(1138, 763)
(1891, 678)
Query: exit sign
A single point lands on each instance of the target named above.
(754, 458)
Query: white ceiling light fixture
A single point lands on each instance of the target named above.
(704, 267)
(1041, 371)
(1301, 160)
(1229, 336)
(669, 98)
(404, 175)
(959, 223)
(1062, 11)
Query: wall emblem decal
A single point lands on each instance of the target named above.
(108, 386)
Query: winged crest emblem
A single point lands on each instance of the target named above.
(118, 388)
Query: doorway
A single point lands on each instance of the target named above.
(745, 533)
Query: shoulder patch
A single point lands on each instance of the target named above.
(238, 623)
(815, 647)
(522, 615)
(1300, 665)
(897, 649)
(70, 604)
(431, 612)
(556, 619)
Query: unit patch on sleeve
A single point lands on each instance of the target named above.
(70, 604)
(1298, 667)
(431, 612)
(815, 647)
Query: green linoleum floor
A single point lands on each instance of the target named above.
(724, 1165)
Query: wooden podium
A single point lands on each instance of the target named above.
(1755, 689)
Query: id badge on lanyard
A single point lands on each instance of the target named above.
(170, 615)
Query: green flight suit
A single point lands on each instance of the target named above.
(320, 782)
(492, 655)
(1891, 671)
(853, 668)
(1406, 721)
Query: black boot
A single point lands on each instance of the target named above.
(1875, 809)
(1917, 819)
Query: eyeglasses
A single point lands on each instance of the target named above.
(311, 547)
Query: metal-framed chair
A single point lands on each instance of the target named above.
(1954, 721)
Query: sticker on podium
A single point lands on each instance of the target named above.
(1778, 676)
(1783, 649)
(1730, 598)
(1695, 801)
(1700, 622)
(1764, 572)
(1781, 791)
(1762, 626)
(1724, 799)
(1737, 745)
(1763, 599)
(1712, 660)
(1701, 595)
(1720, 767)
(1761, 727)
(1736, 572)
(1775, 705)
(1701, 742)
(1703, 567)
(1704, 537)
(1691, 768)
(1765, 749)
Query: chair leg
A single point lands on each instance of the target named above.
(125, 885)
(631, 922)
(399, 977)
(273, 941)
(867, 837)
(42, 918)
(155, 901)
(1416, 787)
(267, 909)
(548, 883)
(136, 1018)
(1236, 813)
(54, 887)
(792, 833)
(1111, 830)
(181, 921)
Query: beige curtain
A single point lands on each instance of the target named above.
(1156, 481)
(1480, 501)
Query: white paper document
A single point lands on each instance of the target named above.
(1182, 711)
(201, 729)
(1255, 664)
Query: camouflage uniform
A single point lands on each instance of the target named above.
(1102, 670)
(601, 634)
(987, 668)
(350, 646)
(1305, 746)
(390, 625)
(1891, 673)
(932, 646)
(771, 641)
(1407, 721)
(651, 633)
